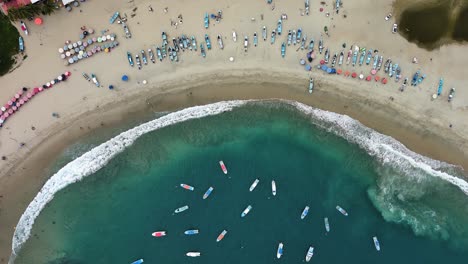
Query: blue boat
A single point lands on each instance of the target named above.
(255, 39)
(21, 44)
(280, 26)
(114, 17)
(202, 50)
(305, 212)
(420, 79)
(361, 58)
(191, 232)
(283, 50)
(207, 21)
(299, 34)
(164, 38)
(207, 193)
(369, 56)
(273, 36)
(208, 42)
(130, 59)
(441, 85)
(194, 43)
(355, 54)
(137, 261)
(376, 60)
(158, 51)
(414, 81)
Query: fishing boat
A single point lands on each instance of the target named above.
(95, 80)
(21, 44)
(369, 56)
(279, 252)
(191, 232)
(194, 44)
(303, 41)
(86, 77)
(151, 55)
(441, 85)
(246, 43)
(294, 37)
(169, 51)
(202, 50)
(311, 45)
(451, 94)
(143, 57)
(299, 35)
(181, 209)
(350, 54)
(254, 184)
(273, 188)
(163, 50)
(397, 70)
(208, 42)
(138, 61)
(305, 212)
(130, 59)
(307, 7)
(114, 17)
(320, 45)
(327, 55)
(355, 55)
(376, 61)
(164, 38)
(334, 60)
(340, 61)
(337, 5)
(159, 233)
(24, 28)
(283, 50)
(379, 65)
(264, 33)
(176, 45)
(311, 85)
(414, 81)
(185, 42)
(193, 254)
(223, 167)
(158, 52)
(273, 36)
(376, 243)
(421, 78)
(327, 225)
(137, 261)
(255, 39)
(363, 55)
(387, 64)
(310, 254)
(207, 193)
(221, 236)
(280, 27)
(289, 37)
(246, 211)
(234, 36)
(206, 21)
(220, 42)
(187, 187)
(341, 210)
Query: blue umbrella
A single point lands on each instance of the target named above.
(111, 87)
(124, 78)
(308, 67)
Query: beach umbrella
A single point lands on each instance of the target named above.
(85, 33)
(48, 84)
(90, 53)
(3, 109)
(10, 111)
(94, 39)
(124, 78)
(112, 39)
(60, 50)
(6, 115)
(75, 44)
(21, 102)
(302, 62)
(99, 40)
(339, 71)
(79, 43)
(90, 41)
(308, 67)
(354, 75)
(85, 44)
(25, 89)
(361, 76)
(72, 51)
(90, 30)
(67, 73)
(231, 59)
(368, 78)
(106, 50)
(65, 48)
(29, 95)
(309, 54)
(346, 73)
(377, 78)
(77, 49)
(6, 106)
(17, 96)
(67, 54)
(310, 59)
(321, 9)
(322, 62)
(82, 36)
(374, 71)
(36, 90)
(75, 58)
(38, 21)
(41, 89)
(62, 56)
(70, 46)
(108, 37)
(14, 108)
(52, 83)
(111, 87)
(25, 99)
(82, 48)
(145, 82)
(384, 80)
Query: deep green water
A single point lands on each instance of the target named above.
(109, 216)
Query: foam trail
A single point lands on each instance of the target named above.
(97, 158)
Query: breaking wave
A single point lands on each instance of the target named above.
(400, 160)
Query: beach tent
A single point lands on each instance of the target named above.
(66, 2)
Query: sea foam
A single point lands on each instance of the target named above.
(386, 149)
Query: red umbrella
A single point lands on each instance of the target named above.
(373, 72)
(354, 75)
(339, 71)
(321, 9)
(384, 80)
(38, 21)
(41, 89)
(346, 73)
(10, 111)
(322, 62)
(377, 78)
(368, 78)
(6, 106)
(67, 73)
(36, 90)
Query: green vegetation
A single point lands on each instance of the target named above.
(29, 11)
(8, 45)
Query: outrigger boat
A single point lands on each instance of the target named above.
(355, 55)
(390, 70)
(223, 167)
(158, 52)
(334, 60)
(264, 33)
(441, 85)
(207, 193)
(138, 62)
(193, 254)
(95, 80)
(194, 44)
(299, 35)
(310, 254)
(208, 42)
(163, 50)
(137, 261)
(185, 42)
(151, 55)
(363, 55)
(159, 233)
(206, 21)
(273, 188)
(414, 81)
(234, 36)
(451, 94)
(341, 210)
(376, 61)
(187, 187)
(387, 65)
(303, 41)
(369, 56)
(202, 50)
(307, 7)
(283, 50)
(280, 27)
(191, 232)
(376, 243)
(397, 72)
(273, 36)
(279, 252)
(24, 28)
(130, 59)
(327, 225)
(311, 45)
(305, 212)
(327, 55)
(403, 86)
(114, 17)
(221, 236)
(350, 54)
(143, 57)
(254, 184)
(21, 44)
(246, 211)
(181, 209)
(86, 76)
(289, 37)
(220, 42)
(246, 43)
(320, 45)
(294, 37)
(164, 38)
(255, 39)
(311, 85)
(379, 65)
(340, 61)
(176, 45)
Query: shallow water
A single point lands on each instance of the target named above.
(109, 216)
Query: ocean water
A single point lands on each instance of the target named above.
(417, 207)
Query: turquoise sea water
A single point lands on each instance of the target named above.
(109, 216)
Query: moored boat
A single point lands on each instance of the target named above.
(327, 225)
(221, 236)
(187, 187)
(310, 254)
(191, 232)
(137, 261)
(246, 211)
(254, 184)
(223, 167)
(181, 209)
(305, 212)
(159, 233)
(340, 61)
(273, 36)
(451, 94)
(21, 44)
(311, 85)
(208, 42)
(24, 28)
(207, 193)
(283, 50)
(320, 45)
(95, 80)
(280, 27)
(376, 243)
(264, 33)
(279, 252)
(369, 56)
(255, 39)
(193, 254)
(220, 42)
(86, 76)
(311, 45)
(206, 21)
(341, 210)
(273, 188)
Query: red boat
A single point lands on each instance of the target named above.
(223, 167)
(187, 187)
(159, 234)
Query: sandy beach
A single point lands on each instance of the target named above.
(411, 117)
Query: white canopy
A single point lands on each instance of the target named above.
(34, 1)
(65, 2)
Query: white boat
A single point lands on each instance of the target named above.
(223, 167)
(279, 252)
(305, 212)
(193, 254)
(309, 254)
(254, 184)
(234, 36)
(181, 209)
(341, 210)
(327, 225)
(376, 243)
(273, 187)
(246, 211)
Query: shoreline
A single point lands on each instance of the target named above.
(417, 138)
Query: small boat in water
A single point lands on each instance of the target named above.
(273, 188)
(181, 209)
(305, 212)
(193, 254)
(246, 211)
(223, 167)
(191, 232)
(221, 236)
(137, 261)
(376, 243)
(159, 233)
(341, 210)
(279, 252)
(310, 254)
(254, 184)
(327, 225)
(207, 193)
(187, 187)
